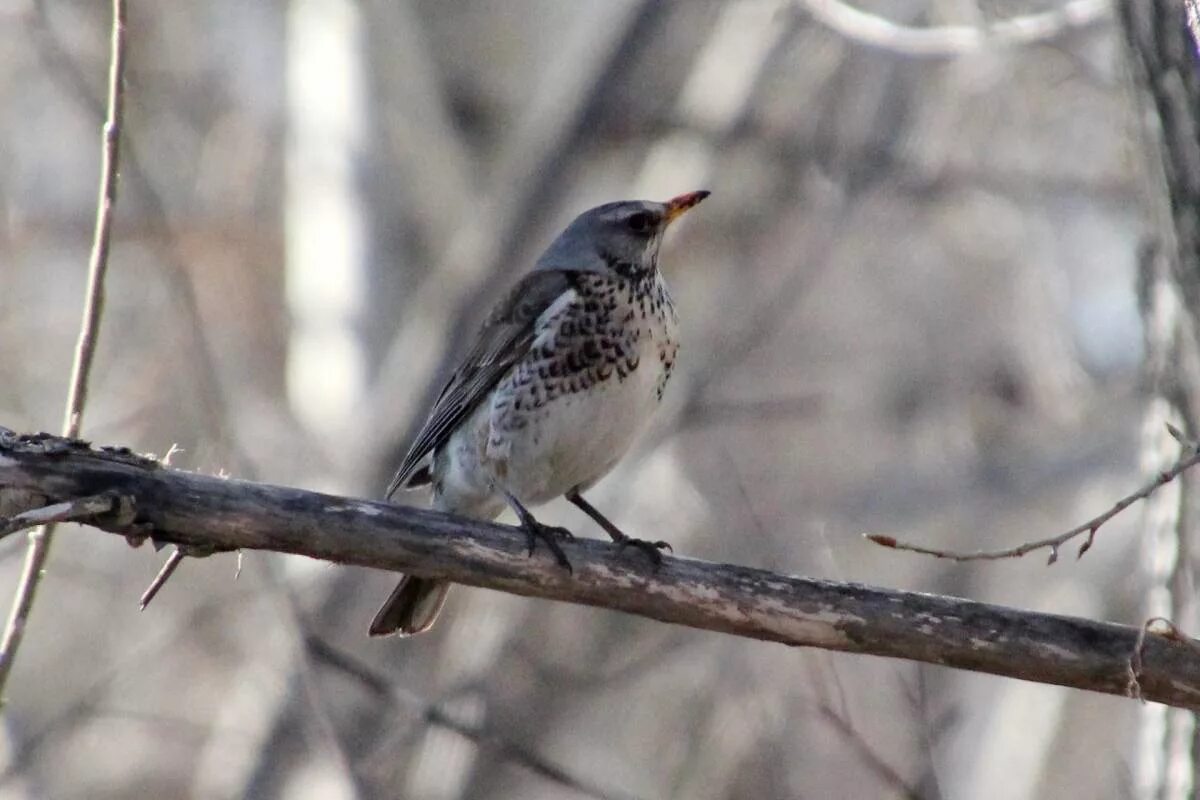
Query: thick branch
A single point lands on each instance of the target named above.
(215, 513)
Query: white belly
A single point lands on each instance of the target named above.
(574, 440)
(570, 442)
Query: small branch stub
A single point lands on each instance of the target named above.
(164, 574)
(77, 510)
(1167, 630)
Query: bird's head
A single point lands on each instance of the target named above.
(621, 237)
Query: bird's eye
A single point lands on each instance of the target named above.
(639, 222)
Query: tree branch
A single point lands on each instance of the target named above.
(223, 514)
(951, 41)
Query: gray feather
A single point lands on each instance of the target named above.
(503, 340)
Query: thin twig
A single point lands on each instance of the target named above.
(211, 399)
(59, 512)
(164, 574)
(85, 349)
(382, 686)
(951, 41)
(1189, 459)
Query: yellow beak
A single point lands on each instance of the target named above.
(677, 205)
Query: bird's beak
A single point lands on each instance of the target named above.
(677, 205)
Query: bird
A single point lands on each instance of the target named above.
(564, 373)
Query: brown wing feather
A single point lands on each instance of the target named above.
(503, 340)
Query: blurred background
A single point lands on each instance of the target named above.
(909, 308)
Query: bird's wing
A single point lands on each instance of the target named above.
(503, 340)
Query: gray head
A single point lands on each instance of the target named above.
(622, 237)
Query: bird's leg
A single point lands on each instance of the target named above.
(534, 530)
(622, 539)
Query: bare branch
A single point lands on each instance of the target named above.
(225, 514)
(951, 41)
(85, 349)
(1189, 459)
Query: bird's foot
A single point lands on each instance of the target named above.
(551, 535)
(651, 549)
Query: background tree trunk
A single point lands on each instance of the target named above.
(1165, 73)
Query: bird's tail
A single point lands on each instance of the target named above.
(415, 603)
(412, 607)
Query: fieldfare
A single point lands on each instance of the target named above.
(562, 376)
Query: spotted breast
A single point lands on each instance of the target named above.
(563, 416)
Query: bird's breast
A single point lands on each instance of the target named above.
(592, 380)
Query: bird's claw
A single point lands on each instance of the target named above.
(559, 532)
(651, 549)
(551, 535)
